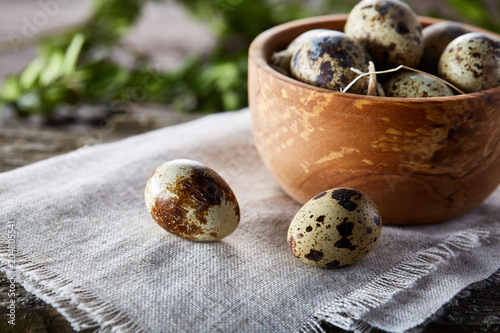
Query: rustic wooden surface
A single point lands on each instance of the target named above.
(25, 142)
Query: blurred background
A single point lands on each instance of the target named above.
(107, 56)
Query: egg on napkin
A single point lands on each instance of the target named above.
(190, 200)
(335, 228)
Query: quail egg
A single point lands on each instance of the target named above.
(325, 60)
(281, 60)
(335, 228)
(471, 62)
(415, 85)
(190, 200)
(390, 31)
(435, 38)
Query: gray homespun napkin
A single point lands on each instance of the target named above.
(85, 243)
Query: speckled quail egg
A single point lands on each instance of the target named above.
(435, 39)
(471, 62)
(326, 58)
(415, 85)
(190, 200)
(281, 60)
(390, 31)
(335, 228)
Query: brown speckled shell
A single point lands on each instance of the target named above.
(190, 200)
(335, 228)
(420, 160)
(435, 38)
(390, 31)
(325, 60)
(471, 62)
(415, 85)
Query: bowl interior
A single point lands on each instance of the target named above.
(373, 137)
(279, 37)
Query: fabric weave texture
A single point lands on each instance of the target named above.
(85, 243)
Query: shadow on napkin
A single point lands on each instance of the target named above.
(86, 244)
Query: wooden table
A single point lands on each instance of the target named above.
(25, 142)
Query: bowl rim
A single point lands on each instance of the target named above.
(256, 53)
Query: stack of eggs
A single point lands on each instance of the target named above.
(389, 33)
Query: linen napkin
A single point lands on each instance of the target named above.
(84, 242)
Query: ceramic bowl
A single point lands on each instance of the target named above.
(421, 160)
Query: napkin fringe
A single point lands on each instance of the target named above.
(493, 280)
(80, 307)
(347, 311)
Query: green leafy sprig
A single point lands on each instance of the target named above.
(77, 67)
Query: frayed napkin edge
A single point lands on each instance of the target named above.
(81, 308)
(493, 280)
(347, 311)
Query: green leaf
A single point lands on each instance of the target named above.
(31, 73)
(231, 100)
(54, 94)
(53, 69)
(76, 66)
(477, 13)
(11, 89)
(72, 54)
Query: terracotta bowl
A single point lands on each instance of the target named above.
(421, 160)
